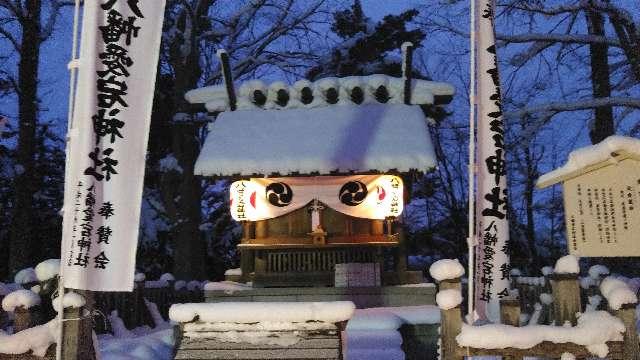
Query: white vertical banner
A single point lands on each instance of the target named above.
(119, 49)
(492, 227)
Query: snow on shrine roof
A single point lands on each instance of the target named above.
(350, 90)
(324, 140)
(592, 155)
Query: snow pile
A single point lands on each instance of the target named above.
(598, 271)
(373, 333)
(169, 163)
(593, 331)
(141, 344)
(567, 356)
(47, 269)
(229, 287)
(251, 312)
(139, 277)
(179, 285)
(20, 298)
(167, 277)
(26, 276)
(547, 270)
(4, 289)
(194, 285)
(591, 155)
(215, 98)
(71, 300)
(327, 139)
(515, 272)
(546, 299)
(155, 284)
(448, 299)
(446, 269)
(567, 265)
(233, 272)
(617, 293)
(36, 339)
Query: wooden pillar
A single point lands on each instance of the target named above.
(247, 264)
(78, 341)
(25, 318)
(510, 315)
(260, 265)
(248, 232)
(630, 345)
(377, 227)
(261, 229)
(401, 256)
(450, 324)
(510, 312)
(566, 298)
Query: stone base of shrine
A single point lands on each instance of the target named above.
(362, 297)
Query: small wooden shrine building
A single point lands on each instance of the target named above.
(322, 172)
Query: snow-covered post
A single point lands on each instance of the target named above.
(622, 303)
(566, 290)
(447, 274)
(78, 326)
(25, 305)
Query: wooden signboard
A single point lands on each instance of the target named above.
(602, 210)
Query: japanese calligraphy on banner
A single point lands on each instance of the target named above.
(602, 211)
(366, 196)
(492, 259)
(106, 156)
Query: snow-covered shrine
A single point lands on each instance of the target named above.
(322, 172)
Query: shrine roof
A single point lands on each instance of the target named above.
(331, 91)
(322, 140)
(611, 149)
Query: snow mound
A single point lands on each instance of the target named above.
(593, 331)
(597, 271)
(156, 345)
(20, 298)
(71, 300)
(194, 285)
(167, 277)
(179, 285)
(4, 289)
(36, 339)
(251, 312)
(591, 155)
(546, 270)
(139, 277)
(47, 269)
(226, 286)
(448, 299)
(446, 269)
(236, 271)
(26, 276)
(617, 293)
(567, 265)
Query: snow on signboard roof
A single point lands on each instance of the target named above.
(348, 138)
(589, 156)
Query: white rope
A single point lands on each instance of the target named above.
(472, 165)
(73, 70)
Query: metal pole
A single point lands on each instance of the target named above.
(471, 239)
(73, 70)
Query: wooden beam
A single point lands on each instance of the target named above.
(407, 67)
(228, 78)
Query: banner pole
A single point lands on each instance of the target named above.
(471, 243)
(72, 66)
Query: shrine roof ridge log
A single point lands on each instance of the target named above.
(352, 90)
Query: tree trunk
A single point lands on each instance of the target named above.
(603, 124)
(189, 245)
(21, 237)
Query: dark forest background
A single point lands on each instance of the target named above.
(570, 74)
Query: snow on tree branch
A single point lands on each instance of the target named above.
(558, 107)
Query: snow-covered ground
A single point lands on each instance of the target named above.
(143, 344)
